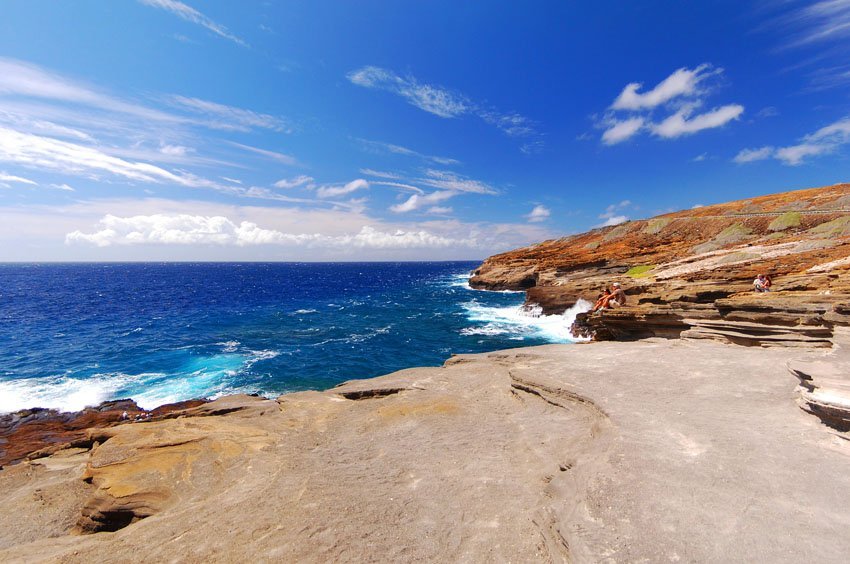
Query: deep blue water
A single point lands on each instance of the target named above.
(77, 334)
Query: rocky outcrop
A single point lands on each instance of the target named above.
(824, 388)
(689, 274)
(626, 452)
(33, 433)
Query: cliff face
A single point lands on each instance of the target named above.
(690, 273)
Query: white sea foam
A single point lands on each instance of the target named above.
(200, 377)
(462, 281)
(522, 321)
(305, 311)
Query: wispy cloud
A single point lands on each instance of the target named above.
(538, 213)
(192, 15)
(825, 140)
(4, 177)
(295, 182)
(441, 101)
(432, 99)
(344, 190)
(446, 180)
(379, 147)
(417, 201)
(64, 187)
(273, 155)
(229, 117)
(679, 96)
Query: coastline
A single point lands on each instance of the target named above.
(556, 452)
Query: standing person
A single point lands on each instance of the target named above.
(767, 283)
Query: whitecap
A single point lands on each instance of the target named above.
(522, 321)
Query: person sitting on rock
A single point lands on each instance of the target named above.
(618, 296)
(601, 300)
(760, 284)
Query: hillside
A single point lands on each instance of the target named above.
(690, 273)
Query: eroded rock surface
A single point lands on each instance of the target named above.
(690, 273)
(651, 451)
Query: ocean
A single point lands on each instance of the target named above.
(75, 335)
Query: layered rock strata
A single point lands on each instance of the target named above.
(690, 273)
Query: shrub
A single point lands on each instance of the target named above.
(785, 221)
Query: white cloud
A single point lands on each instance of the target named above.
(64, 187)
(184, 229)
(402, 185)
(417, 201)
(44, 152)
(4, 177)
(446, 180)
(824, 141)
(440, 101)
(683, 123)
(613, 214)
(539, 213)
(620, 131)
(614, 220)
(700, 158)
(295, 182)
(432, 99)
(336, 191)
(680, 93)
(683, 82)
(174, 150)
(230, 117)
(380, 147)
(440, 210)
(380, 173)
(750, 155)
(274, 155)
(194, 16)
(819, 22)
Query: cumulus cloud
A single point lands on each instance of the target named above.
(684, 123)
(619, 131)
(682, 82)
(185, 229)
(336, 191)
(825, 140)
(295, 182)
(539, 213)
(678, 96)
(613, 214)
(750, 155)
(192, 15)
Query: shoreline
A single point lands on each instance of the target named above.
(420, 464)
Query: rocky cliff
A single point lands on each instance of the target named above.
(690, 273)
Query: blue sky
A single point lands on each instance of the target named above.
(211, 130)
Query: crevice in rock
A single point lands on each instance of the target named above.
(369, 394)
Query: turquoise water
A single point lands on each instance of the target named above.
(78, 334)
